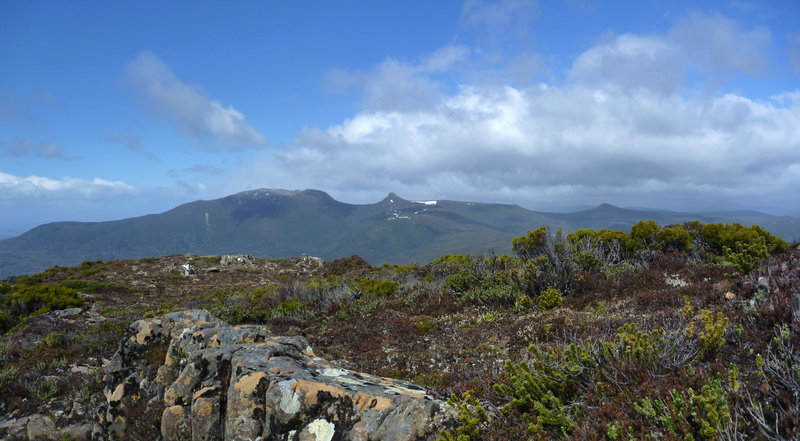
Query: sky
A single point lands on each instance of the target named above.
(117, 109)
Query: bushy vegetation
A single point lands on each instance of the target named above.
(654, 333)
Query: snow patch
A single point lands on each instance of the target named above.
(427, 202)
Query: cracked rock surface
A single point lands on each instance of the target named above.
(190, 376)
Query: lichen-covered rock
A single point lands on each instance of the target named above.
(240, 383)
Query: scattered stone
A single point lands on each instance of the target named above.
(40, 426)
(14, 428)
(187, 270)
(309, 264)
(77, 432)
(763, 284)
(241, 383)
(236, 259)
(730, 295)
(67, 312)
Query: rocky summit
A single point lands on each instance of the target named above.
(216, 381)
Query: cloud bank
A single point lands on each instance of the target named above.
(197, 116)
(638, 120)
(17, 187)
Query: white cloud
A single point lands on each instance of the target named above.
(17, 187)
(626, 127)
(710, 46)
(559, 146)
(195, 115)
(401, 85)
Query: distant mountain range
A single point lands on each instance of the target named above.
(280, 223)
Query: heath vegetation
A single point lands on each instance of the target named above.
(662, 332)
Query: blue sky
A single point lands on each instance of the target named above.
(117, 109)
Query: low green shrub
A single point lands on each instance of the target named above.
(471, 415)
(688, 414)
(45, 297)
(712, 337)
(549, 299)
(375, 287)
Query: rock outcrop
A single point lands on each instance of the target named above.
(190, 376)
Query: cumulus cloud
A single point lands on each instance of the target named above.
(625, 127)
(196, 115)
(712, 46)
(536, 144)
(17, 187)
(399, 84)
(27, 147)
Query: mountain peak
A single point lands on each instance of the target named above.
(393, 198)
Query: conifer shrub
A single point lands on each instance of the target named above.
(471, 415)
(712, 337)
(549, 299)
(688, 414)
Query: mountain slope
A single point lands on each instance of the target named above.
(280, 223)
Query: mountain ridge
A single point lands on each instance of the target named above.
(284, 223)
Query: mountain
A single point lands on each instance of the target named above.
(281, 223)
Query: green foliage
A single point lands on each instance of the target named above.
(489, 294)
(54, 340)
(549, 299)
(532, 245)
(44, 297)
(598, 250)
(639, 346)
(472, 417)
(538, 389)
(461, 282)
(322, 285)
(293, 307)
(718, 236)
(456, 260)
(46, 389)
(674, 238)
(548, 260)
(424, 324)
(643, 234)
(712, 337)
(8, 376)
(747, 255)
(688, 414)
(370, 287)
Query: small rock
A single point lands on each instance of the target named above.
(40, 426)
(730, 295)
(67, 312)
(763, 283)
(236, 259)
(188, 270)
(14, 428)
(77, 432)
